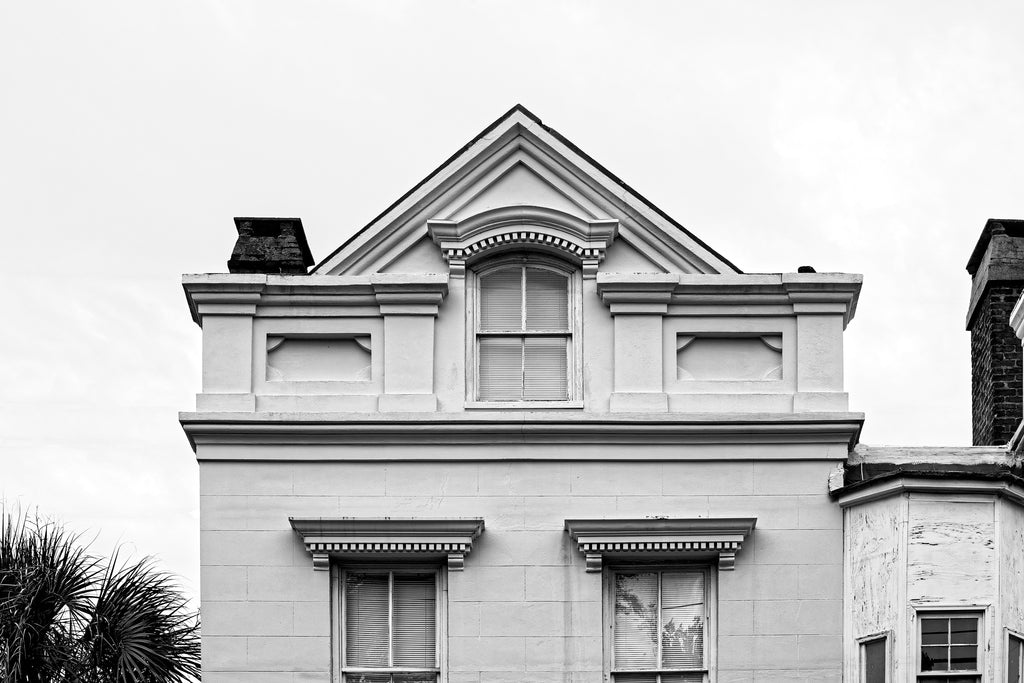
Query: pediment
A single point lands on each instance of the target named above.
(519, 165)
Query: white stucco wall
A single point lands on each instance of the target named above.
(524, 608)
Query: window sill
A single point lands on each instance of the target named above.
(523, 405)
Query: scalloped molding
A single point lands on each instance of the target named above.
(451, 538)
(526, 227)
(598, 538)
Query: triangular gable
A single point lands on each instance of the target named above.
(519, 161)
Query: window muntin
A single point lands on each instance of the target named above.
(1015, 659)
(949, 647)
(389, 625)
(874, 660)
(524, 332)
(660, 625)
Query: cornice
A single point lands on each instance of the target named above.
(287, 429)
(364, 536)
(616, 538)
(223, 293)
(883, 487)
(808, 293)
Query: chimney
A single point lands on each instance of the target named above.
(997, 363)
(270, 245)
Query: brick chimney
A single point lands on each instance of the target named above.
(270, 245)
(997, 364)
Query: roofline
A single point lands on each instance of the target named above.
(561, 138)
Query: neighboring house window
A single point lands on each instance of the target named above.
(389, 620)
(874, 662)
(660, 625)
(949, 650)
(1015, 659)
(524, 330)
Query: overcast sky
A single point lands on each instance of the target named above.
(865, 137)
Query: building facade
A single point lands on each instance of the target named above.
(525, 427)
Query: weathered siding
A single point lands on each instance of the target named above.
(875, 575)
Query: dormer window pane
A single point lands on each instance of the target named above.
(547, 300)
(501, 300)
(545, 367)
(501, 369)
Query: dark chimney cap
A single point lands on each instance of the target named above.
(994, 226)
(270, 245)
(806, 269)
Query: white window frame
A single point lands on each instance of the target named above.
(574, 385)
(949, 612)
(338, 616)
(710, 617)
(862, 642)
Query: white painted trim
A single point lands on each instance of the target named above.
(834, 432)
(676, 538)
(523, 227)
(911, 484)
(450, 538)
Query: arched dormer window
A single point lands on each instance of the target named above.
(526, 345)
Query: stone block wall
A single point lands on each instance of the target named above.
(524, 608)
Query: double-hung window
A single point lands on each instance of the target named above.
(949, 647)
(524, 331)
(660, 625)
(389, 623)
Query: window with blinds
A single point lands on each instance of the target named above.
(390, 627)
(659, 626)
(524, 333)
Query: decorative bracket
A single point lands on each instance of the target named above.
(523, 227)
(451, 538)
(674, 538)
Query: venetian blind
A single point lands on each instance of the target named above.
(636, 621)
(501, 300)
(682, 620)
(415, 609)
(547, 300)
(366, 619)
(659, 625)
(524, 332)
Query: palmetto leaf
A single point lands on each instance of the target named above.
(66, 617)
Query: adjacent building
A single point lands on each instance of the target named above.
(525, 427)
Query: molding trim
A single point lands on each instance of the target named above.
(600, 538)
(839, 430)
(526, 227)
(892, 486)
(243, 294)
(450, 538)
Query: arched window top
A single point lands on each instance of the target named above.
(529, 228)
